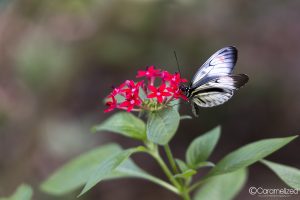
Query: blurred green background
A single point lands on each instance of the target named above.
(58, 60)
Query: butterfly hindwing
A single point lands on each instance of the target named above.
(220, 63)
(195, 109)
(217, 91)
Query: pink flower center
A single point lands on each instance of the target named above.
(174, 79)
(158, 93)
(132, 101)
(147, 73)
(133, 89)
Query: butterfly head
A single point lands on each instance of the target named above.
(184, 89)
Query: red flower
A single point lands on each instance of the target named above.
(176, 79)
(133, 89)
(177, 93)
(112, 104)
(130, 102)
(166, 76)
(158, 93)
(149, 73)
(117, 90)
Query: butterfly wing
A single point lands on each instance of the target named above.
(217, 91)
(220, 63)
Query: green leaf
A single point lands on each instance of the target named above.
(76, 172)
(107, 167)
(125, 124)
(223, 187)
(186, 174)
(162, 126)
(182, 165)
(23, 192)
(202, 147)
(249, 154)
(290, 175)
(175, 104)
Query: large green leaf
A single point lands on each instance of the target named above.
(201, 148)
(76, 172)
(290, 175)
(249, 154)
(162, 126)
(222, 187)
(23, 192)
(124, 123)
(107, 167)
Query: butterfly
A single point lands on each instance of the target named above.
(214, 83)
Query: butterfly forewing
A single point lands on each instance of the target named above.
(220, 63)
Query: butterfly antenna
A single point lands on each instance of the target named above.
(177, 62)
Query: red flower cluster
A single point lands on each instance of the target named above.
(130, 92)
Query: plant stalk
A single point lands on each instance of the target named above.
(165, 168)
(185, 194)
(171, 159)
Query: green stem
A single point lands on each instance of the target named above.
(179, 189)
(163, 184)
(165, 168)
(185, 194)
(171, 159)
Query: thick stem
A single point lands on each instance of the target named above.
(182, 190)
(185, 195)
(171, 158)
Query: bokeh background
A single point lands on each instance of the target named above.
(58, 60)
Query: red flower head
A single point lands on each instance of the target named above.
(158, 93)
(130, 91)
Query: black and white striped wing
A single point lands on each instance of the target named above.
(217, 91)
(220, 63)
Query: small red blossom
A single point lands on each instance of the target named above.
(117, 90)
(166, 76)
(112, 104)
(132, 88)
(177, 93)
(158, 93)
(176, 79)
(130, 102)
(149, 73)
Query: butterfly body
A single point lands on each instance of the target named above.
(214, 83)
